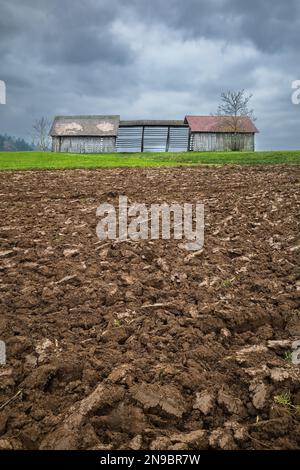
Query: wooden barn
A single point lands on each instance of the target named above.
(221, 133)
(100, 134)
(84, 134)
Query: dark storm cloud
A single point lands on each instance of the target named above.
(82, 34)
(85, 47)
(144, 58)
(269, 24)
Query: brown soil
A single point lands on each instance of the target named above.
(96, 367)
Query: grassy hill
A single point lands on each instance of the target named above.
(49, 160)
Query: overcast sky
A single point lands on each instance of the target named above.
(150, 59)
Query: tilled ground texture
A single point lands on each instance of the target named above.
(143, 345)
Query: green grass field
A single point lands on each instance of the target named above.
(49, 160)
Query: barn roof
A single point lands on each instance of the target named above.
(152, 122)
(219, 124)
(85, 126)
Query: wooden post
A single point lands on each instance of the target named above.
(143, 132)
(168, 140)
(189, 141)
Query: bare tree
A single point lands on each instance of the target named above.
(40, 133)
(234, 107)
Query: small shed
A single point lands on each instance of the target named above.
(84, 134)
(221, 133)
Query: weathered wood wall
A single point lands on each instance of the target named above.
(209, 142)
(73, 144)
(55, 144)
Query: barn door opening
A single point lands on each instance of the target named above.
(155, 139)
(178, 139)
(130, 139)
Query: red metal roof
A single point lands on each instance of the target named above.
(219, 124)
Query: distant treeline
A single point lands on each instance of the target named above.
(13, 144)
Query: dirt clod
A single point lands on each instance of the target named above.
(167, 398)
(204, 402)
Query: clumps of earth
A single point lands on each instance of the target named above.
(141, 344)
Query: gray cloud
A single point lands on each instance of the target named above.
(149, 59)
(269, 24)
